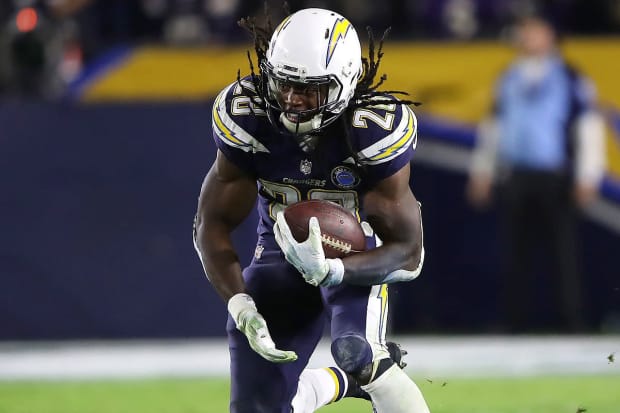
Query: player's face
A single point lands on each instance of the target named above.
(535, 38)
(301, 101)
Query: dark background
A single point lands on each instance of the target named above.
(97, 200)
(96, 212)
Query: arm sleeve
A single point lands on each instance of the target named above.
(484, 155)
(590, 155)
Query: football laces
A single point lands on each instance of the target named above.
(336, 243)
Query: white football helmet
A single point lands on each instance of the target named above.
(318, 48)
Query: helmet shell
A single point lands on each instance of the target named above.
(316, 46)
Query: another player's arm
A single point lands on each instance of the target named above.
(394, 213)
(226, 198)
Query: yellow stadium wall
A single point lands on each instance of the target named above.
(453, 80)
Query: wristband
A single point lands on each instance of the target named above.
(335, 273)
(238, 304)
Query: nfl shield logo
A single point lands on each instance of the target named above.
(258, 252)
(305, 166)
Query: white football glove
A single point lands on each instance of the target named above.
(308, 256)
(249, 321)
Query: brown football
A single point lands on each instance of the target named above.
(341, 234)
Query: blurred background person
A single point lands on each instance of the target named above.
(40, 49)
(44, 44)
(544, 146)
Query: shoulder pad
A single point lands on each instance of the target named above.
(384, 132)
(234, 117)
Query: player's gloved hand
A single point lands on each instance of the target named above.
(308, 256)
(249, 321)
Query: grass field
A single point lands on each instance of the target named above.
(600, 394)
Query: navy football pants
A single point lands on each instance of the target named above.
(296, 313)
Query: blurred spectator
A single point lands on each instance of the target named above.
(544, 146)
(460, 18)
(198, 21)
(39, 47)
(68, 34)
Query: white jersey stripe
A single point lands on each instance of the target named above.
(376, 317)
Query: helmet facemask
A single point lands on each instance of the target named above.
(322, 92)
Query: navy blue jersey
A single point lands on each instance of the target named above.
(382, 137)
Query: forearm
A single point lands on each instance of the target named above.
(219, 260)
(590, 153)
(484, 155)
(222, 267)
(378, 265)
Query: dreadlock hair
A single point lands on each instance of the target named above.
(262, 36)
(366, 93)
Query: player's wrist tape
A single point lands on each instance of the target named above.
(335, 273)
(239, 303)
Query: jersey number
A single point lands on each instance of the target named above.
(361, 116)
(285, 195)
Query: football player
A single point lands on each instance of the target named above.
(310, 124)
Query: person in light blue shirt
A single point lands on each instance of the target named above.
(544, 147)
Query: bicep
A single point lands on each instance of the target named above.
(227, 194)
(392, 209)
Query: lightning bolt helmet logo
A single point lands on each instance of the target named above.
(338, 33)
